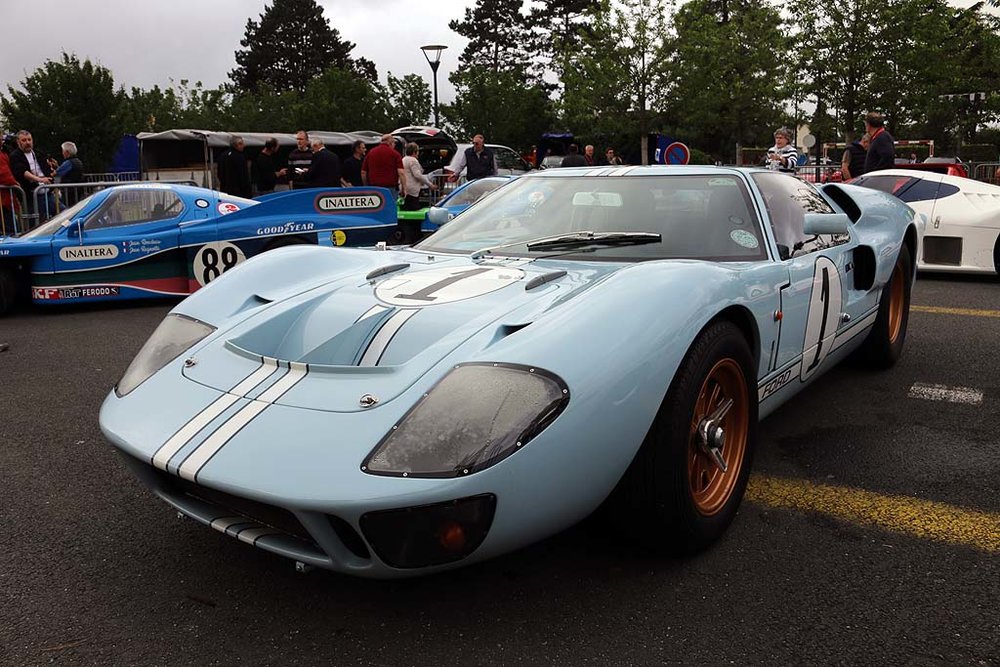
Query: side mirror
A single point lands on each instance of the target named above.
(439, 216)
(75, 229)
(826, 223)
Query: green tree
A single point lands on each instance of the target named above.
(340, 100)
(614, 80)
(506, 107)
(266, 110)
(558, 29)
(150, 110)
(409, 100)
(728, 74)
(69, 101)
(290, 45)
(498, 35)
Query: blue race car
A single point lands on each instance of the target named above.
(153, 240)
(461, 198)
(584, 338)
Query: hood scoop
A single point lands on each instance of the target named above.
(314, 334)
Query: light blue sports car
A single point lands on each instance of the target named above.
(585, 338)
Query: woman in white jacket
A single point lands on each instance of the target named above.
(415, 181)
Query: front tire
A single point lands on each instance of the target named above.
(884, 344)
(675, 496)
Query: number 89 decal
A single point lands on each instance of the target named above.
(825, 303)
(214, 259)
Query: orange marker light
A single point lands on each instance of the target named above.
(452, 537)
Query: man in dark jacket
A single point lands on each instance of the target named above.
(30, 167)
(325, 169)
(234, 176)
(265, 170)
(352, 165)
(881, 151)
(299, 159)
(852, 164)
(573, 158)
(477, 160)
(70, 170)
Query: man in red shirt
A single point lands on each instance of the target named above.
(383, 166)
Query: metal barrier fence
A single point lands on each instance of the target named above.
(12, 202)
(111, 176)
(987, 172)
(48, 200)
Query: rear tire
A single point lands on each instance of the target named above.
(884, 344)
(674, 497)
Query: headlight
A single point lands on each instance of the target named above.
(175, 335)
(474, 417)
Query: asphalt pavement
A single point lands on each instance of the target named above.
(873, 546)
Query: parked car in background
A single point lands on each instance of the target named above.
(551, 161)
(509, 163)
(963, 217)
(938, 165)
(160, 240)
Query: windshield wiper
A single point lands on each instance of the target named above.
(583, 239)
(576, 240)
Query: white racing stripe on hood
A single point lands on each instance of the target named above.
(374, 310)
(197, 459)
(384, 336)
(216, 408)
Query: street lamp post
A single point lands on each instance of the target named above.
(432, 52)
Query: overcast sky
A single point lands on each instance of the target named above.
(151, 42)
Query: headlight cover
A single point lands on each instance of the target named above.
(175, 335)
(475, 416)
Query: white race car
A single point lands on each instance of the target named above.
(963, 218)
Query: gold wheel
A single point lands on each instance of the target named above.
(718, 436)
(897, 302)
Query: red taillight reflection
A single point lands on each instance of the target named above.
(451, 537)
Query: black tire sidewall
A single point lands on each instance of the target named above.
(685, 528)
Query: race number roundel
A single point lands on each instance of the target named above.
(214, 259)
(825, 303)
(437, 286)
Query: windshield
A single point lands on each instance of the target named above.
(473, 192)
(64, 216)
(695, 216)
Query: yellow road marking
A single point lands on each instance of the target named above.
(955, 311)
(901, 514)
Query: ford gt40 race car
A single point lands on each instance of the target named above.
(582, 338)
(963, 218)
(154, 240)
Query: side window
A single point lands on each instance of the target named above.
(135, 206)
(919, 190)
(893, 185)
(787, 200)
(508, 159)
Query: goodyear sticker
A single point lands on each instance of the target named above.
(338, 237)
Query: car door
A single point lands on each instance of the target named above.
(819, 298)
(126, 247)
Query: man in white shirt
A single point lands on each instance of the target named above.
(30, 167)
